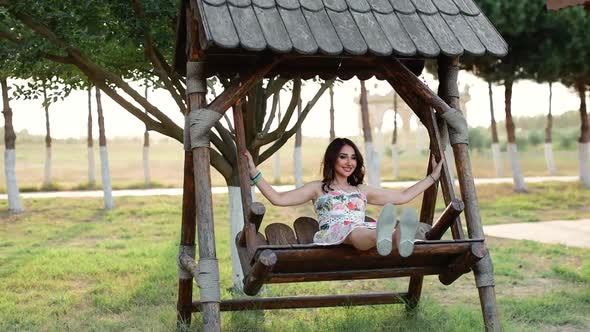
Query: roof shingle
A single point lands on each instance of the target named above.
(355, 27)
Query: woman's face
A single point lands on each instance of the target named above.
(345, 161)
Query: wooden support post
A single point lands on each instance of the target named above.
(188, 263)
(422, 100)
(426, 216)
(483, 270)
(463, 263)
(295, 302)
(255, 279)
(448, 188)
(187, 239)
(446, 219)
(249, 232)
(256, 214)
(196, 90)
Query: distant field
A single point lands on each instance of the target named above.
(125, 155)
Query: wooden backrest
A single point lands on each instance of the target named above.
(305, 228)
(279, 234)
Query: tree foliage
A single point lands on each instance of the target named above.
(113, 42)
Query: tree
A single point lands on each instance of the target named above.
(297, 159)
(14, 203)
(146, 151)
(104, 156)
(372, 164)
(496, 154)
(574, 71)
(394, 150)
(332, 129)
(518, 23)
(136, 41)
(7, 69)
(90, 143)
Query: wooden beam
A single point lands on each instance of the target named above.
(295, 302)
(259, 272)
(446, 219)
(239, 88)
(188, 263)
(483, 270)
(249, 232)
(256, 214)
(277, 278)
(187, 238)
(463, 264)
(407, 81)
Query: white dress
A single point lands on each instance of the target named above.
(340, 212)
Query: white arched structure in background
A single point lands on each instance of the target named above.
(379, 105)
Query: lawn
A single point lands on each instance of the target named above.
(68, 265)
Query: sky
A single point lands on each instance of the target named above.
(69, 117)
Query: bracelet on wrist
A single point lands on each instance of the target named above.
(256, 178)
(432, 177)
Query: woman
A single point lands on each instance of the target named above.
(340, 200)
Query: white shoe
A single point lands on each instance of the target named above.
(408, 225)
(385, 226)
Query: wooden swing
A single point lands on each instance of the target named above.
(305, 38)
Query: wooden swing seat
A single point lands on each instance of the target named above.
(287, 256)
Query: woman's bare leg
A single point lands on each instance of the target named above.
(362, 238)
(365, 238)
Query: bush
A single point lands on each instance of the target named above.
(535, 138)
(566, 140)
(478, 139)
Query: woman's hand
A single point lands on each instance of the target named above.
(251, 166)
(436, 168)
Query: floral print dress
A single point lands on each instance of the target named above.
(340, 212)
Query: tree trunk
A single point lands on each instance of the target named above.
(496, 154)
(370, 154)
(276, 171)
(332, 130)
(90, 143)
(146, 151)
(549, 159)
(584, 141)
(236, 217)
(297, 161)
(14, 204)
(519, 185)
(47, 173)
(104, 157)
(394, 151)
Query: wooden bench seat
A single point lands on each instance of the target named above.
(288, 256)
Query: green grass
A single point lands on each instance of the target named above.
(68, 265)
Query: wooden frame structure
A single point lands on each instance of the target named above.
(248, 40)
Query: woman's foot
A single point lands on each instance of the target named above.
(385, 226)
(407, 231)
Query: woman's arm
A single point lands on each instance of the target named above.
(381, 196)
(288, 198)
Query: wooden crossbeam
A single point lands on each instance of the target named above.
(259, 272)
(355, 274)
(447, 218)
(463, 263)
(294, 302)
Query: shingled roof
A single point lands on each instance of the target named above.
(329, 38)
(424, 28)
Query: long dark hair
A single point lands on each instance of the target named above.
(330, 156)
